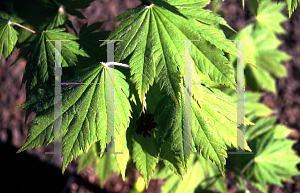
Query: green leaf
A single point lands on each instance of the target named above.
(150, 33)
(210, 174)
(274, 161)
(261, 127)
(263, 52)
(162, 171)
(192, 9)
(252, 106)
(254, 5)
(292, 6)
(8, 35)
(154, 95)
(105, 166)
(270, 57)
(86, 159)
(145, 155)
(172, 160)
(121, 142)
(88, 39)
(41, 14)
(214, 125)
(192, 178)
(171, 128)
(40, 64)
(84, 118)
(269, 16)
(201, 173)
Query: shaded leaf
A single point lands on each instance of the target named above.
(8, 35)
(40, 64)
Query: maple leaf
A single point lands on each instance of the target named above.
(41, 15)
(84, 118)
(8, 35)
(39, 67)
(213, 125)
(263, 52)
(269, 16)
(49, 14)
(150, 34)
(273, 160)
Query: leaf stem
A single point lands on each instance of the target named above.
(248, 164)
(243, 181)
(14, 23)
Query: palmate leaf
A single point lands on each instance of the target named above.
(40, 64)
(274, 160)
(150, 33)
(269, 16)
(49, 14)
(40, 15)
(8, 35)
(84, 118)
(213, 126)
(262, 49)
(270, 57)
(263, 52)
(191, 9)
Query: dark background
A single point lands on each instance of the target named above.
(35, 171)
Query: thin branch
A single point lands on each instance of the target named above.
(14, 23)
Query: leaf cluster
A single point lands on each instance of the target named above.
(191, 118)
